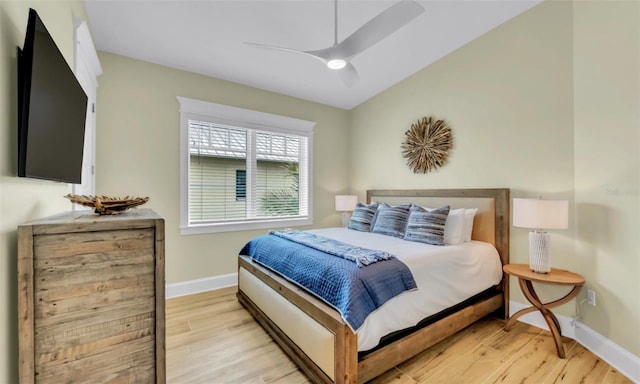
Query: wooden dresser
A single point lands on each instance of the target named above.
(91, 306)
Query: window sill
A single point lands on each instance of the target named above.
(196, 229)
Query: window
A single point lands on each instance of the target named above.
(242, 169)
(241, 184)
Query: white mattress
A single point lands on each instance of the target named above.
(445, 276)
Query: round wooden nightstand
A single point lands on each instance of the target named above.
(526, 277)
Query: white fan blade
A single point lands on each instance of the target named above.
(348, 75)
(290, 50)
(373, 31)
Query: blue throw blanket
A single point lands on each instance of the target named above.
(355, 292)
(361, 256)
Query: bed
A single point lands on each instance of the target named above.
(326, 348)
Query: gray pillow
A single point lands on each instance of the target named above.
(391, 221)
(426, 226)
(362, 217)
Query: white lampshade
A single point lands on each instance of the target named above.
(346, 203)
(541, 214)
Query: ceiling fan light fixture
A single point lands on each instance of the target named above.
(337, 56)
(336, 63)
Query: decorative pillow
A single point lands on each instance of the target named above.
(454, 226)
(426, 226)
(467, 226)
(362, 217)
(391, 221)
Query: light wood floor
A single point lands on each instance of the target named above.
(212, 339)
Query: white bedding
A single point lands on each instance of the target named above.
(445, 276)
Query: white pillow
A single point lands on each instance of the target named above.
(454, 226)
(467, 228)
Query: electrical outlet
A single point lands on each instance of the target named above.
(591, 297)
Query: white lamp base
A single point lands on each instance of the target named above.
(539, 260)
(346, 217)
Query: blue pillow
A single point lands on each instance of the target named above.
(391, 221)
(426, 226)
(362, 217)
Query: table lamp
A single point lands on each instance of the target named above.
(346, 204)
(540, 215)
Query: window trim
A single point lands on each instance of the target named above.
(246, 118)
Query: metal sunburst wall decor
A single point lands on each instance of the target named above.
(427, 145)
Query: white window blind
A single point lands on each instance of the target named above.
(243, 174)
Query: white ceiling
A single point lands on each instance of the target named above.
(207, 36)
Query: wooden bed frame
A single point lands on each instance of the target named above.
(322, 344)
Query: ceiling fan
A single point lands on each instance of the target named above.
(338, 56)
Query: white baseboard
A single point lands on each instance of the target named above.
(200, 285)
(536, 319)
(624, 361)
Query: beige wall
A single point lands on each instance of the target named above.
(607, 164)
(138, 124)
(546, 104)
(508, 98)
(22, 200)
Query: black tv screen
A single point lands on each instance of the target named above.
(52, 108)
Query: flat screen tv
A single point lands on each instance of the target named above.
(52, 108)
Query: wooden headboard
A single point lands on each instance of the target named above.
(491, 223)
